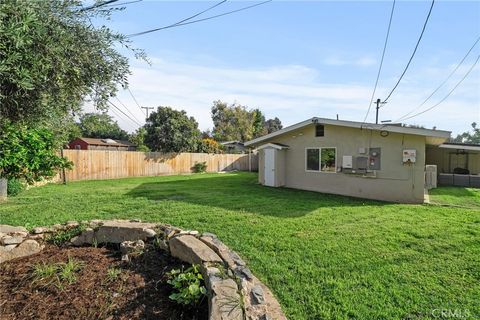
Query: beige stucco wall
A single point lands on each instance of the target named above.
(440, 158)
(394, 182)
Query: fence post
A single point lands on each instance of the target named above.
(249, 161)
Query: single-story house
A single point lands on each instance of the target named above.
(233, 146)
(101, 144)
(373, 161)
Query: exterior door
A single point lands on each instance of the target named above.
(269, 167)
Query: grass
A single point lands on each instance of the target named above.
(324, 256)
(456, 196)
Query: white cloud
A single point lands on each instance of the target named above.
(344, 61)
(291, 92)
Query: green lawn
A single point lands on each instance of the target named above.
(464, 197)
(324, 256)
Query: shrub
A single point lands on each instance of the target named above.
(200, 167)
(62, 236)
(14, 187)
(188, 286)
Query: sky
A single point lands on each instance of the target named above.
(298, 59)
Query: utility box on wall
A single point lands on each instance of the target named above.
(409, 155)
(347, 162)
(374, 159)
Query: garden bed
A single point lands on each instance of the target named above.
(92, 283)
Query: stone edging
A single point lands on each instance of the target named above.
(233, 291)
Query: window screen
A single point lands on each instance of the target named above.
(313, 159)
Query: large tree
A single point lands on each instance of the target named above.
(101, 125)
(52, 57)
(169, 130)
(232, 122)
(469, 137)
(272, 125)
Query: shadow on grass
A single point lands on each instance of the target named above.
(242, 192)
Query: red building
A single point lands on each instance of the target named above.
(101, 144)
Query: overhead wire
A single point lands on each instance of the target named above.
(196, 21)
(413, 53)
(448, 95)
(126, 108)
(381, 61)
(441, 84)
(134, 99)
(126, 115)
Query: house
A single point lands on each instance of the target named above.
(101, 144)
(374, 161)
(233, 146)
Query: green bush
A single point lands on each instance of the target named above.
(188, 286)
(200, 167)
(14, 187)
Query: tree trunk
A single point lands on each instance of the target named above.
(3, 189)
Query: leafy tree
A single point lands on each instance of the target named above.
(469, 137)
(52, 57)
(273, 125)
(101, 125)
(232, 122)
(209, 145)
(259, 128)
(138, 138)
(29, 154)
(169, 130)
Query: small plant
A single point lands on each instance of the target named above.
(95, 243)
(200, 167)
(66, 271)
(63, 236)
(14, 187)
(57, 273)
(44, 272)
(113, 274)
(188, 285)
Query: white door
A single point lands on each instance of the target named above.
(269, 167)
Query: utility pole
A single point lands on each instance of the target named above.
(147, 108)
(378, 107)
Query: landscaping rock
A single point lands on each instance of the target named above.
(4, 228)
(86, 237)
(266, 317)
(10, 247)
(225, 303)
(192, 250)
(72, 224)
(117, 231)
(150, 233)
(244, 272)
(11, 240)
(26, 248)
(131, 247)
(257, 295)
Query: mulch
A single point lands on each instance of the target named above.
(139, 292)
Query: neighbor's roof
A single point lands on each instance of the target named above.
(231, 142)
(439, 136)
(107, 142)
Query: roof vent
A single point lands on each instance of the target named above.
(109, 141)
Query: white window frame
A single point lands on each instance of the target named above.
(320, 159)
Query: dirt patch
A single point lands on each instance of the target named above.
(104, 287)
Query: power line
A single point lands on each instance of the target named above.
(126, 115)
(451, 91)
(179, 22)
(441, 85)
(122, 4)
(413, 54)
(381, 61)
(97, 5)
(126, 108)
(136, 102)
(198, 20)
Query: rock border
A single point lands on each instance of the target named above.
(233, 291)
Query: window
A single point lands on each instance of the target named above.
(313, 159)
(319, 130)
(321, 159)
(78, 147)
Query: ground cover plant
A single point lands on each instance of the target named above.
(92, 283)
(324, 256)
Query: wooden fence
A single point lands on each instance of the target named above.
(102, 164)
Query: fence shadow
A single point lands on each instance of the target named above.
(240, 192)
